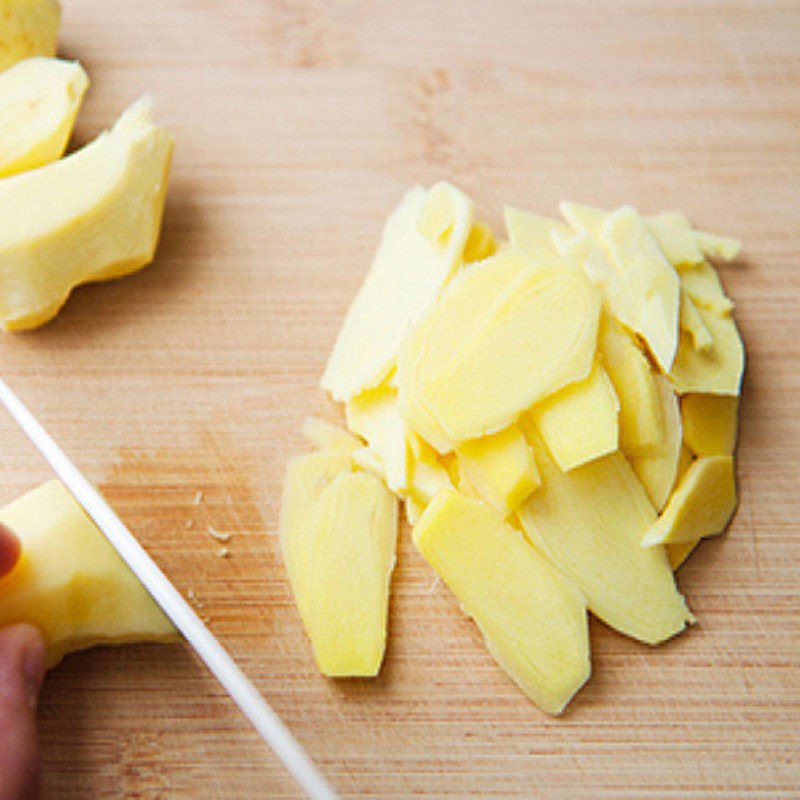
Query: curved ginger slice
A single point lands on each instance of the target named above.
(658, 470)
(92, 216)
(421, 247)
(39, 100)
(29, 28)
(535, 335)
(589, 522)
(701, 505)
(532, 617)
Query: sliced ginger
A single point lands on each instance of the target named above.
(324, 435)
(580, 423)
(375, 416)
(532, 617)
(351, 555)
(710, 423)
(546, 316)
(590, 522)
(701, 505)
(534, 402)
(39, 101)
(499, 468)
(658, 469)
(409, 270)
(70, 582)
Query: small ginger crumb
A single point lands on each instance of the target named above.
(220, 537)
(189, 523)
(198, 498)
(224, 552)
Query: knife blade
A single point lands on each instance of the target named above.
(218, 661)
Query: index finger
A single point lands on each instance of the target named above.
(10, 550)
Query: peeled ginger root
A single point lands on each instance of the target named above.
(557, 411)
(70, 582)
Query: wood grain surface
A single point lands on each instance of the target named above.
(298, 125)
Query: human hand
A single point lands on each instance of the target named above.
(22, 668)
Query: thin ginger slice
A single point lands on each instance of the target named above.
(718, 370)
(676, 238)
(581, 422)
(648, 288)
(532, 235)
(702, 284)
(407, 274)
(480, 243)
(658, 470)
(589, 522)
(500, 468)
(641, 414)
(353, 536)
(701, 505)
(375, 416)
(307, 476)
(547, 317)
(710, 423)
(532, 617)
(323, 435)
(692, 322)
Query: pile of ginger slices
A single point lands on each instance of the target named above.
(557, 411)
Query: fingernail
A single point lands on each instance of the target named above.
(33, 669)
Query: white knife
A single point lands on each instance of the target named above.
(212, 653)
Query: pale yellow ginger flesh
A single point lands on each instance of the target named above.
(581, 422)
(702, 504)
(499, 468)
(375, 416)
(702, 284)
(676, 238)
(307, 477)
(70, 583)
(39, 101)
(710, 423)
(590, 522)
(658, 469)
(482, 283)
(718, 370)
(640, 419)
(534, 403)
(532, 235)
(351, 556)
(546, 317)
(643, 288)
(532, 617)
(28, 28)
(322, 435)
(678, 553)
(406, 276)
(721, 248)
(480, 243)
(692, 322)
(92, 216)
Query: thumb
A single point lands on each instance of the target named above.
(22, 667)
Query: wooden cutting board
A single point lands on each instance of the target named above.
(298, 125)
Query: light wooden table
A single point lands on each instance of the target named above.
(298, 125)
